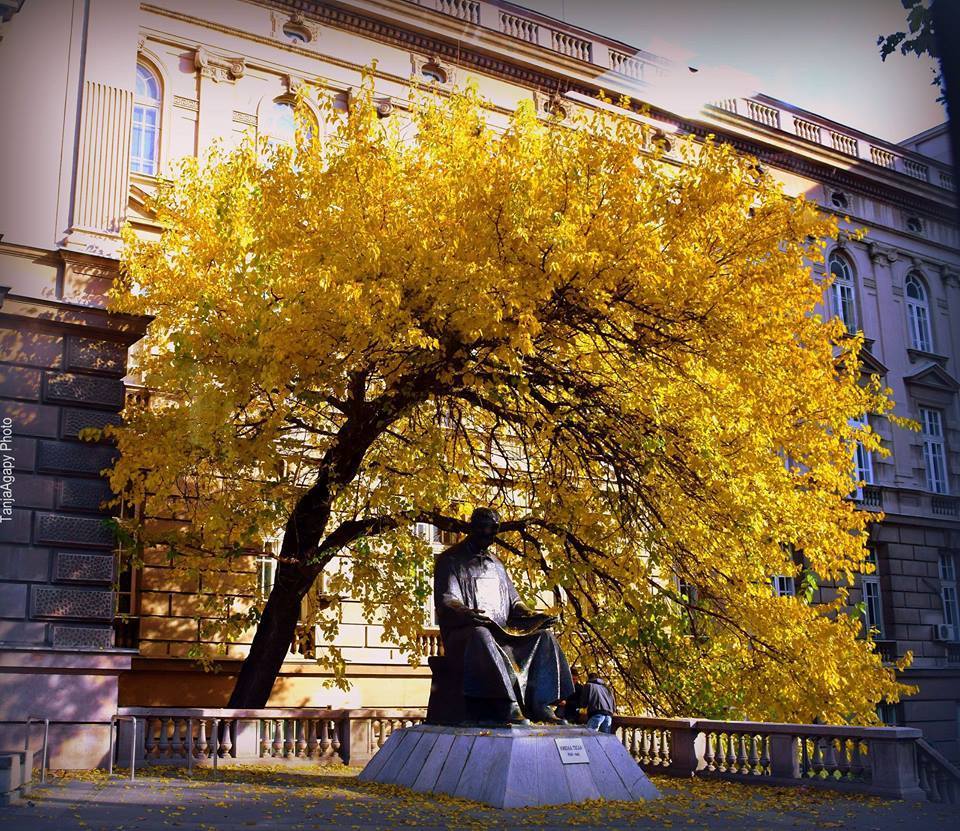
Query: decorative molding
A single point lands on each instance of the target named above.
(218, 68)
(421, 64)
(245, 118)
(293, 83)
(296, 22)
(103, 162)
(386, 106)
(183, 103)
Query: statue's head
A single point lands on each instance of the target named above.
(484, 525)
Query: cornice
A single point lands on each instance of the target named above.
(559, 81)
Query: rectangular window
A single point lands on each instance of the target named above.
(843, 304)
(784, 586)
(862, 459)
(948, 593)
(267, 568)
(934, 450)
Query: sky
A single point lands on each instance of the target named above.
(820, 55)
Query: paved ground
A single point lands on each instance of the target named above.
(282, 799)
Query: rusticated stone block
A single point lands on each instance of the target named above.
(18, 382)
(62, 529)
(108, 357)
(24, 563)
(17, 528)
(24, 453)
(13, 600)
(74, 567)
(31, 348)
(74, 457)
(84, 494)
(33, 491)
(18, 631)
(31, 419)
(76, 420)
(82, 637)
(80, 604)
(68, 388)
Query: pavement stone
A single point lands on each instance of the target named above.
(310, 799)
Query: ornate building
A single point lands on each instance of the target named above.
(98, 96)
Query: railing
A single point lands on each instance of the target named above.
(882, 157)
(946, 180)
(870, 496)
(845, 144)
(627, 65)
(519, 27)
(939, 778)
(431, 643)
(468, 10)
(807, 130)
(204, 736)
(916, 170)
(877, 760)
(945, 506)
(762, 113)
(572, 46)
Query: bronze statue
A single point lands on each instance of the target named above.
(502, 662)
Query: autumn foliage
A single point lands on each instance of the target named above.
(399, 319)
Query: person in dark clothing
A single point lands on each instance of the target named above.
(569, 709)
(598, 699)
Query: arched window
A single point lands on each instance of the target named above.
(278, 122)
(918, 314)
(145, 136)
(841, 292)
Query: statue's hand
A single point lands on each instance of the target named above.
(478, 617)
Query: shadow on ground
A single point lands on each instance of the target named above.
(281, 798)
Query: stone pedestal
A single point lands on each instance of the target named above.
(511, 767)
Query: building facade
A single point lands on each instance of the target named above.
(99, 96)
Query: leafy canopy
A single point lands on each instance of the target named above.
(615, 346)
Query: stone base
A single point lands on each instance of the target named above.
(509, 767)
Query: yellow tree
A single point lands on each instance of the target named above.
(397, 320)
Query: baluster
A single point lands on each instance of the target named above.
(934, 779)
(324, 739)
(202, 745)
(163, 744)
(816, 762)
(646, 743)
(335, 739)
(731, 753)
(856, 759)
(149, 740)
(226, 740)
(265, 731)
(180, 738)
(313, 746)
(844, 754)
(708, 751)
(829, 757)
(378, 732)
(664, 747)
(276, 747)
(289, 737)
(302, 727)
(764, 754)
(741, 755)
(804, 758)
(753, 758)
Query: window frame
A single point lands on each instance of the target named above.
(919, 319)
(137, 162)
(843, 291)
(948, 593)
(934, 450)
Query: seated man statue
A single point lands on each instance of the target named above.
(508, 657)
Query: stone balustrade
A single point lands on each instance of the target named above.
(885, 761)
(893, 762)
(202, 736)
(633, 67)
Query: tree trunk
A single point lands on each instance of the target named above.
(273, 637)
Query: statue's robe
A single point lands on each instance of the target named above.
(530, 669)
